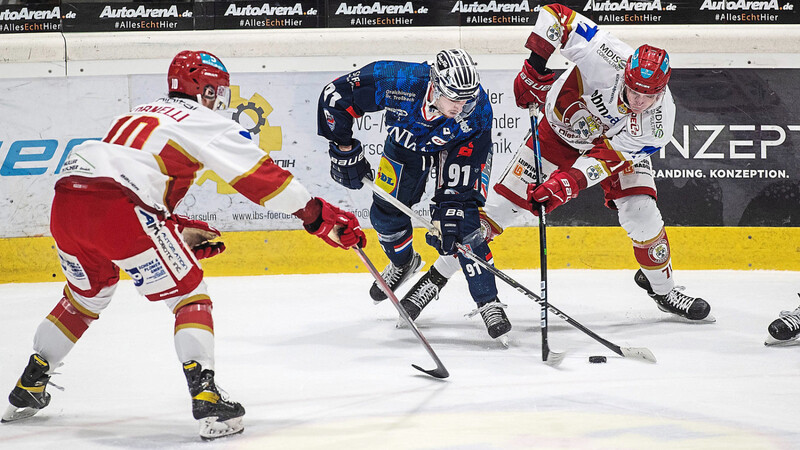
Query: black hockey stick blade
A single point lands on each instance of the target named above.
(640, 353)
(440, 371)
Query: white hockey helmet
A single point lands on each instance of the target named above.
(454, 75)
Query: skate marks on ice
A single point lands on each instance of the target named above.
(331, 371)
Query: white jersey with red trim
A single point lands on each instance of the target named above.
(157, 150)
(597, 80)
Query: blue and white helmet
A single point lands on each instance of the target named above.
(454, 75)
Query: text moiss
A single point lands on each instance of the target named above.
(141, 11)
(375, 8)
(264, 10)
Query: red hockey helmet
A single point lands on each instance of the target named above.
(648, 71)
(200, 75)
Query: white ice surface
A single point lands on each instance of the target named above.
(317, 365)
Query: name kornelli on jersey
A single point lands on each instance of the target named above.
(142, 12)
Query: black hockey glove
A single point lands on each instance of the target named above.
(447, 216)
(349, 168)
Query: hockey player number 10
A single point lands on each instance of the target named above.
(125, 127)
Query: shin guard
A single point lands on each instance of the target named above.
(655, 260)
(71, 318)
(194, 331)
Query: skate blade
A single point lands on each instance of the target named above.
(678, 318)
(772, 342)
(13, 413)
(401, 323)
(503, 340)
(211, 429)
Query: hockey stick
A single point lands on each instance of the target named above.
(628, 352)
(440, 371)
(552, 358)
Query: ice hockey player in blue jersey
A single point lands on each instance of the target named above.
(438, 118)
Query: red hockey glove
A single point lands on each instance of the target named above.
(560, 188)
(197, 235)
(531, 87)
(208, 249)
(336, 227)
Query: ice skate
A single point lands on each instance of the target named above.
(497, 323)
(395, 276)
(784, 329)
(217, 415)
(676, 302)
(29, 395)
(424, 291)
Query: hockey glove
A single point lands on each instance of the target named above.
(560, 188)
(198, 235)
(583, 123)
(349, 167)
(336, 227)
(447, 216)
(531, 87)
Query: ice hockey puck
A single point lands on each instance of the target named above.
(597, 359)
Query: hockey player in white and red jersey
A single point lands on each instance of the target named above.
(113, 209)
(603, 118)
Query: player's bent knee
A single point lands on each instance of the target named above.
(640, 217)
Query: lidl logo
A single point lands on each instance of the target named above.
(388, 175)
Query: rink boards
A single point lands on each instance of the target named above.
(296, 252)
(728, 181)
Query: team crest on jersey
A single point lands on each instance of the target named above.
(594, 172)
(555, 32)
(389, 173)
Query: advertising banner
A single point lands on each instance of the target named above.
(266, 14)
(128, 16)
(733, 158)
(389, 13)
(680, 12)
(41, 17)
(113, 15)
